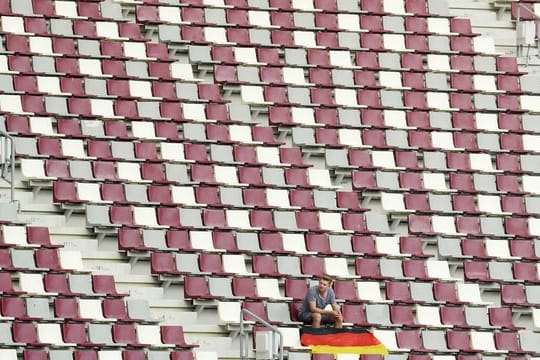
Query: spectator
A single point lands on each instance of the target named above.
(320, 306)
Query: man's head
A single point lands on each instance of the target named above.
(324, 283)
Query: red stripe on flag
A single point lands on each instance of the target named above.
(340, 339)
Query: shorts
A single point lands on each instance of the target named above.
(307, 318)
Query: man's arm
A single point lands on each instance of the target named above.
(314, 309)
(335, 306)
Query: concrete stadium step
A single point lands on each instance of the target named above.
(174, 315)
(71, 240)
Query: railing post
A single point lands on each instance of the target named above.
(519, 48)
(9, 149)
(518, 21)
(243, 335)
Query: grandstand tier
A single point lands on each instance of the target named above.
(180, 164)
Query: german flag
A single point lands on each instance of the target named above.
(341, 341)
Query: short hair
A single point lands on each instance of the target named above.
(327, 278)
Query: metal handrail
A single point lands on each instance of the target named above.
(519, 5)
(11, 150)
(243, 335)
(518, 20)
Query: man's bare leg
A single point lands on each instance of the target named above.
(316, 320)
(338, 323)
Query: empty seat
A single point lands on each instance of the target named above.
(174, 334)
(151, 335)
(269, 288)
(51, 334)
(9, 354)
(229, 312)
(529, 341)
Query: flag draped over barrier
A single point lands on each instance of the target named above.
(341, 341)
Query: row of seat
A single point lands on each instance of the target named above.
(368, 148)
(387, 99)
(254, 153)
(370, 178)
(46, 259)
(354, 148)
(82, 24)
(171, 172)
(201, 173)
(378, 119)
(489, 249)
(67, 309)
(299, 355)
(443, 342)
(279, 177)
(51, 283)
(348, 291)
(354, 291)
(502, 166)
(287, 242)
(424, 181)
(71, 25)
(210, 54)
(298, 19)
(457, 341)
(143, 130)
(25, 236)
(218, 123)
(250, 152)
(292, 116)
(420, 7)
(443, 141)
(466, 184)
(383, 315)
(112, 88)
(18, 41)
(44, 105)
(110, 310)
(481, 226)
(368, 79)
(69, 9)
(500, 271)
(83, 335)
(95, 108)
(96, 129)
(213, 196)
(251, 220)
(446, 342)
(361, 39)
(432, 293)
(136, 239)
(459, 204)
(167, 263)
(73, 297)
(264, 96)
(106, 354)
(66, 8)
(96, 68)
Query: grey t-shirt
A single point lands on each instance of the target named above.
(321, 303)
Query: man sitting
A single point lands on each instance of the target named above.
(320, 306)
